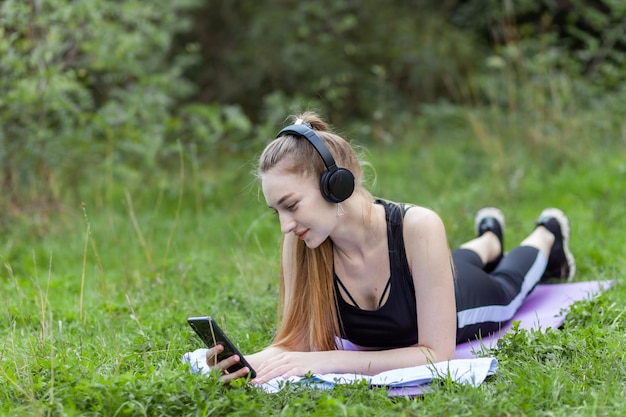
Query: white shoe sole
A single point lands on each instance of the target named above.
(560, 217)
(483, 213)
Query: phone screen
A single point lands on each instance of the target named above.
(211, 334)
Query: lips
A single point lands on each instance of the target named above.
(302, 234)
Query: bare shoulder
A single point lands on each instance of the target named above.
(424, 236)
(421, 220)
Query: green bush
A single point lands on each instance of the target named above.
(82, 83)
(105, 92)
(584, 38)
(355, 58)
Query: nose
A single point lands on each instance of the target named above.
(287, 223)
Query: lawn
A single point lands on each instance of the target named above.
(95, 296)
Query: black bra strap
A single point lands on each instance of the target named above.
(382, 296)
(338, 281)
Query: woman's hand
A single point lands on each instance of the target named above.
(222, 366)
(288, 364)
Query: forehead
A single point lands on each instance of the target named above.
(277, 183)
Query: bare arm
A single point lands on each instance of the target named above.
(287, 364)
(430, 262)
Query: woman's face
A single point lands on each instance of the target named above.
(300, 206)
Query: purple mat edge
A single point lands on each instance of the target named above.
(545, 307)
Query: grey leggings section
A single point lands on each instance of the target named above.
(486, 300)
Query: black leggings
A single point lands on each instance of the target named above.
(486, 300)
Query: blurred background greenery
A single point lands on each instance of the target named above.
(103, 93)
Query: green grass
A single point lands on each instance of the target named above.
(95, 299)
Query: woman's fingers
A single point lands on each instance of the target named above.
(211, 355)
(285, 365)
(228, 362)
(223, 365)
(241, 373)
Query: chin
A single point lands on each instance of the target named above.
(312, 244)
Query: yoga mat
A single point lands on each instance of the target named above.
(545, 307)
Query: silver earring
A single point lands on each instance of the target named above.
(340, 211)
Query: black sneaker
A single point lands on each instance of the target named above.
(561, 263)
(490, 219)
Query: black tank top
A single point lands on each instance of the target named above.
(394, 324)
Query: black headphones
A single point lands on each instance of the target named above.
(336, 184)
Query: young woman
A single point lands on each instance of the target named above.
(379, 276)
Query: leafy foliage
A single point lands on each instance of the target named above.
(585, 38)
(148, 112)
(359, 58)
(108, 92)
(81, 83)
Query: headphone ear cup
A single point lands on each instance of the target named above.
(337, 185)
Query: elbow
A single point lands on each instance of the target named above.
(448, 351)
(449, 354)
(441, 354)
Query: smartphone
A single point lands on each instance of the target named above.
(212, 335)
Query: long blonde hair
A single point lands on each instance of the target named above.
(310, 317)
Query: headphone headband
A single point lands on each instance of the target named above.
(336, 184)
(308, 133)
